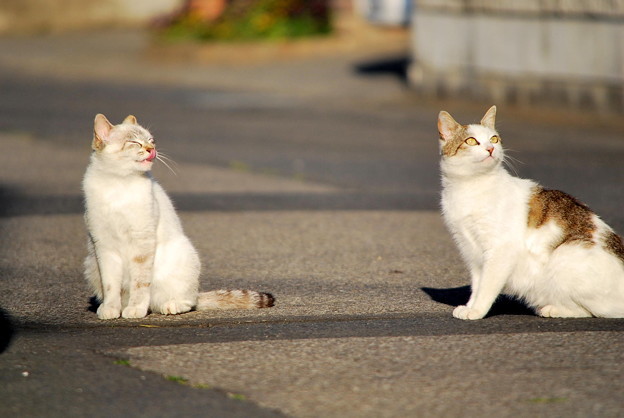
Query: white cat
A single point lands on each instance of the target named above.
(516, 237)
(139, 257)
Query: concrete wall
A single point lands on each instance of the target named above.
(561, 51)
(28, 16)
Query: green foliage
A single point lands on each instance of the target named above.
(237, 396)
(202, 386)
(178, 379)
(246, 20)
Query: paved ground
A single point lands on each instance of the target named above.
(315, 179)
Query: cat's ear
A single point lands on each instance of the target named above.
(447, 126)
(101, 131)
(130, 119)
(489, 120)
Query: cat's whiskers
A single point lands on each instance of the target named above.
(164, 158)
(509, 161)
(169, 159)
(510, 166)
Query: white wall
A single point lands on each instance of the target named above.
(523, 55)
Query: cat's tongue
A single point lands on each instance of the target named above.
(151, 156)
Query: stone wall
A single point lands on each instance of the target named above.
(562, 51)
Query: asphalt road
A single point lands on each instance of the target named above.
(313, 180)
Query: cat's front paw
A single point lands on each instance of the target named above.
(134, 312)
(464, 312)
(174, 307)
(108, 312)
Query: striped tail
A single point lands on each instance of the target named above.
(234, 299)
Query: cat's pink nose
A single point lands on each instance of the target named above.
(152, 155)
(490, 150)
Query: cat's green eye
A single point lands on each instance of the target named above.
(495, 139)
(471, 141)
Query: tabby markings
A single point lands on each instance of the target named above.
(140, 259)
(573, 217)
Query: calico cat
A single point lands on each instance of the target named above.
(139, 258)
(542, 246)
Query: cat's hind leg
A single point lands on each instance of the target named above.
(176, 278)
(552, 311)
(174, 307)
(583, 282)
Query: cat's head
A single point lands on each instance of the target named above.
(124, 147)
(469, 150)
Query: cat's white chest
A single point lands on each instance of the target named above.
(120, 194)
(470, 218)
(117, 207)
(485, 212)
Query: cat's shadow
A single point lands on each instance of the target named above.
(504, 305)
(455, 296)
(6, 330)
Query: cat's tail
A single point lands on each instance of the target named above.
(234, 299)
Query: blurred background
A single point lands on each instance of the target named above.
(567, 52)
(341, 93)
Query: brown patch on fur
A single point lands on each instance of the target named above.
(97, 144)
(140, 285)
(572, 216)
(452, 146)
(613, 243)
(140, 259)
